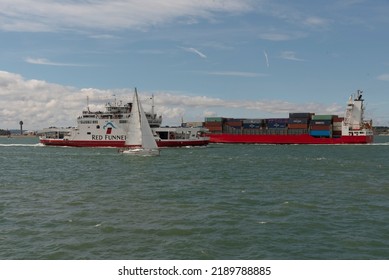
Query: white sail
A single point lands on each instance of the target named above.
(148, 140)
(134, 134)
(140, 138)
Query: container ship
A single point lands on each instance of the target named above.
(299, 128)
(109, 129)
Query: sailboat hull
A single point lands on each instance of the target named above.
(141, 152)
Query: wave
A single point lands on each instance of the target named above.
(380, 144)
(22, 145)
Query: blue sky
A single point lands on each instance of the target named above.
(199, 58)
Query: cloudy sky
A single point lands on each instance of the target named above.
(246, 58)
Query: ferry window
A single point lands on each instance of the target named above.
(89, 133)
(163, 134)
(97, 126)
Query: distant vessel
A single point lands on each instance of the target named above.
(299, 128)
(140, 139)
(108, 129)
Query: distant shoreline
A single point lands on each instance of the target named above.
(18, 136)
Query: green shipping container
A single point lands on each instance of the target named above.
(214, 119)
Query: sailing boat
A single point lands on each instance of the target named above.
(140, 139)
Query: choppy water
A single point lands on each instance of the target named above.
(218, 202)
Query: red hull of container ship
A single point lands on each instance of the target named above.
(287, 139)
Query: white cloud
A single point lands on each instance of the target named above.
(41, 104)
(316, 22)
(44, 61)
(43, 15)
(195, 51)
(279, 36)
(383, 77)
(290, 55)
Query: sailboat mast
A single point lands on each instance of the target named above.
(152, 105)
(138, 105)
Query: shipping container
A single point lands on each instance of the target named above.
(321, 133)
(193, 124)
(322, 117)
(320, 122)
(283, 120)
(212, 124)
(277, 125)
(298, 121)
(297, 126)
(338, 119)
(233, 123)
(252, 125)
(252, 121)
(300, 115)
(297, 131)
(251, 131)
(214, 119)
(337, 126)
(277, 131)
(320, 127)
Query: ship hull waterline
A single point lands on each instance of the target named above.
(305, 139)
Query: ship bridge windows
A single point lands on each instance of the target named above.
(87, 122)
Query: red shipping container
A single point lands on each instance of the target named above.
(297, 126)
(337, 119)
(321, 127)
(234, 123)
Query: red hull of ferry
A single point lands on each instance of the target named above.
(287, 139)
(118, 144)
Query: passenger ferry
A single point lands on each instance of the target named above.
(109, 128)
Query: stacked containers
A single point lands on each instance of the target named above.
(321, 126)
(276, 123)
(233, 126)
(277, 126)
(252, 126)
(235, 123)
(214, 124)
(252, 123)
(337, 126)
(299, 120)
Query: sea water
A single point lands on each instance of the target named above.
(216, 202)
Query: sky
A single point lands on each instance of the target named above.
(241, 59)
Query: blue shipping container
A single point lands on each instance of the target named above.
(277, 125)
(252, 125)
(320, 133)
(300, 115)
(276, 120)
(298, 121)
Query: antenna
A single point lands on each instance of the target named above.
(87, 102)
(152, 105)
